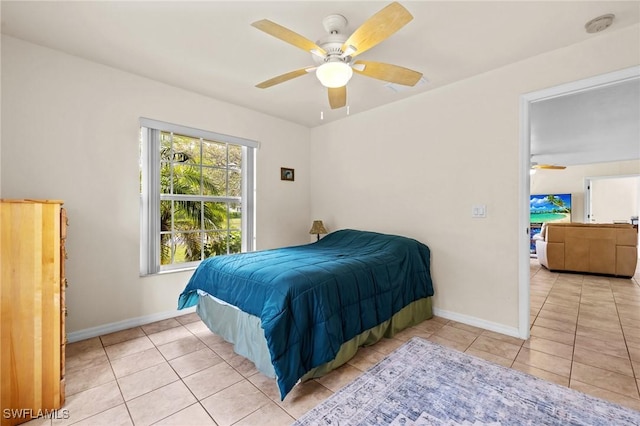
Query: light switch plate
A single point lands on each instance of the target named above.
(479, 210)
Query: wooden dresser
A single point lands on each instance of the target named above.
(32, 309)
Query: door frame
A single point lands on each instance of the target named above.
(526, 100)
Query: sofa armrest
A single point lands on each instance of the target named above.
(550, 255)
(541, 251)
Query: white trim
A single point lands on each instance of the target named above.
(525, 149)
(586, 218)
(198, 133)
(150, 205)
(101, 330)
(585, 84)
(524, 269)
(248, 222)
(477, 322)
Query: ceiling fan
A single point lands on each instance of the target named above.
(334, 54)
(537, 166)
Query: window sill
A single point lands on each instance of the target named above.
(170, 271)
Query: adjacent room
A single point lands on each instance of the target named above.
(482, 157)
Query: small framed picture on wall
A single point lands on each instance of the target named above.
(287, 174)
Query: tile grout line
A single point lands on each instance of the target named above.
(198, 400)
(181, 379)
(124, 402)
(575, 334)
(244, 378)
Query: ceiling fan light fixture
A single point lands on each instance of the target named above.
(334, 74)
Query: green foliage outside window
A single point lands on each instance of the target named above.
(195, 229)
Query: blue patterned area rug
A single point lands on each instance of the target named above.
(423, 383)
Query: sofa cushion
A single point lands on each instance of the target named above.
(626, 238)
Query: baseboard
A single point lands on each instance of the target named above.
(477, 322)
(101, 330)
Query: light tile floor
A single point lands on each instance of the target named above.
(585, 334)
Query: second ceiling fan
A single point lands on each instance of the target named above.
(536, 166)
(334, 54)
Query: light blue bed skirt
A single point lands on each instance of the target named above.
(244, 331)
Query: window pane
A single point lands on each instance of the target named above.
(165, 178)
(214, 181)
(186, 149)
(165, 146)
(186, 179)
(187, 215)
(235, 242)
(165, 248)
(214, 154)
(166, 226)
(215, 216)
(188, 247)
(235, 216)
(165, 215)
(216, 243)
(235, 183)
(235, 156)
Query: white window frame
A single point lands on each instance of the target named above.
(150, 191)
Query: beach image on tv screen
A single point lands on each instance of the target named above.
(550, 208)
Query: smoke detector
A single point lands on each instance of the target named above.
(600, 23)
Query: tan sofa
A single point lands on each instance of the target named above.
(610, 249)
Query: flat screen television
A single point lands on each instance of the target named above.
(547, 208)
(550, 208)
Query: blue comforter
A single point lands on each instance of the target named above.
(312, 298)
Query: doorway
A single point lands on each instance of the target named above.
(612, 199)
(526, 101)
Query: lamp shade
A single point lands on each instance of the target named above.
(334, 74)
(317, 228)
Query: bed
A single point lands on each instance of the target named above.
(298, 312)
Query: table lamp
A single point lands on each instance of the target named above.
(317, 228)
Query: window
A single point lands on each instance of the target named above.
(197, 195)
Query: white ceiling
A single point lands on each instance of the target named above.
(599, 125)
(209, 47)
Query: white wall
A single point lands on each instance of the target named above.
(614, 199)
(70, 131)
(417, 166)
(571, 181)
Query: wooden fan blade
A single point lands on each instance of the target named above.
(388, 72)
(285, 34)
(377, 28)
(282, 78)
(548, 167)
(338, 97)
